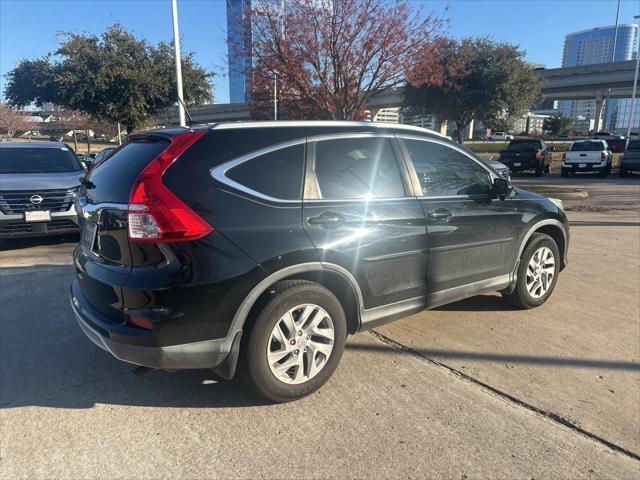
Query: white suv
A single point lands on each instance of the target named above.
(499, 136)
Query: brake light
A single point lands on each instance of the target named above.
(564, 157)
(141, 322)
(538, 156)
(155, 213)
(602, 156)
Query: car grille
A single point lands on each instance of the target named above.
(21, 227)
(19, 201)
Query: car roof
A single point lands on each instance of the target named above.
(32, 145)
(313, 124)
(590, 140)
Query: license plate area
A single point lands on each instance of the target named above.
(37, 216)
(582, 165)
(89, 235)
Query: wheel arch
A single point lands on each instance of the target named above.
(555, 229)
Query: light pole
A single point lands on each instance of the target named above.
(635, 84)
(176, 48)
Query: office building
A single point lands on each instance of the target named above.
(593, 46)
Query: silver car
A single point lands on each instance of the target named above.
(38, 185)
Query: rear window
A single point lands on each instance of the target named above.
(634, 145)
(524, 145)
(38, 160)
(276, 174)
(587, 147)
(112, 178)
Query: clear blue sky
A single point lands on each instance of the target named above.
(28, 27)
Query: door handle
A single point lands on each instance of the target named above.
(440, 214)
(328, 219)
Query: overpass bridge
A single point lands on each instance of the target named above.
(587, 82)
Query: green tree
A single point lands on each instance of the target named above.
(481, 79)
(556, 125)
(114, 76)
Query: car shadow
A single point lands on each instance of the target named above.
(8, 244)
(479, 303)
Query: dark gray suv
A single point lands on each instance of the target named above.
(262, 245)
(38, 185)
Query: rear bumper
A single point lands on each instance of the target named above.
(588, 167)
(205, 354)
(630, 164)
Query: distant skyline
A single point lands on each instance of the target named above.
(28, 27)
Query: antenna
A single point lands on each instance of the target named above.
(186, 111)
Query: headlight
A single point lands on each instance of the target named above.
(557, 202)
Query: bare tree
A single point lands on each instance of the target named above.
(332, 56)
(13, 120)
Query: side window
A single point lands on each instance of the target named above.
(277, 174)
(443, 171)
(357, 168)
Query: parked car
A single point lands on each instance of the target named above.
(56, 138)
(500, 168)
(38, 185)
(495, 136)
(104, 154)
(617, 144)
(530, 154)
(587, 156)
(198, 250)
(630, 161)
(86, 160)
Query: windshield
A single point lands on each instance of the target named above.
(587, 147)
(38, 160)
(524, 146)
(634, 145)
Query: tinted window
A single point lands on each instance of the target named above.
(112, 179)
(38, 160)
(524, 145)
(587, 147)
(634, 145)
(443, 171)
(357, 168)
(277, 174)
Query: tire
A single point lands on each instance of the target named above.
(605, 172)
(256, 368)
(522, 296)
(539, 171)
(623, 172)
(564, 173)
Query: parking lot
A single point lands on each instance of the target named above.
(474, 389)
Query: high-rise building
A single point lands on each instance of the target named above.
(239, 50)
(596, 45)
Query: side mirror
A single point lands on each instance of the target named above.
(502, 188)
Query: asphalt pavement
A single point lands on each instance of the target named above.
(470, 390)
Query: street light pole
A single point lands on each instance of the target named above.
(635, 85)
(176, 48)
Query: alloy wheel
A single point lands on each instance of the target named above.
(300, 344)
(540, 272)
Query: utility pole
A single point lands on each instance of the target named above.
(635, 85)
(176, 48)
(613, 57)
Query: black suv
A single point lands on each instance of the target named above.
(262, 245)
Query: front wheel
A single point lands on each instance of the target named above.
(296, 341)
(537, 272)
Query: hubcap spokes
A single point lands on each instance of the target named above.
(300, 344)
(540, 272)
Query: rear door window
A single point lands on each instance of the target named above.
(277, 174)
(443, 171)
(357, 168)
(587, 147)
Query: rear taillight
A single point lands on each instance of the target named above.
(538, 156)
(564, 157)
(140, 322)
(155, 213)
(602, 156)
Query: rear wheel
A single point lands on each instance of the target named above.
(623, 172)
(564, 173)
(537, 272)
(604, 173)
(539, 170)
(296, 341)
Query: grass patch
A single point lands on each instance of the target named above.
(495, 147)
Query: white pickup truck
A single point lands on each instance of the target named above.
(496, 136)
(587, 156)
